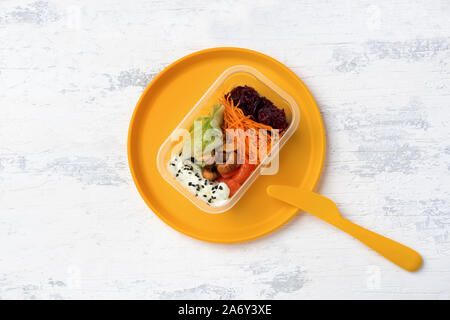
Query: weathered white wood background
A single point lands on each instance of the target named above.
(72, 224)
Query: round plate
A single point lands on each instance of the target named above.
(164, 104)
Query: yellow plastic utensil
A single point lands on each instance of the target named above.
(327, 210)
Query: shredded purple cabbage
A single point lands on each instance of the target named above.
(260, 109)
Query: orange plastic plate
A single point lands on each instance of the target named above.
(164, 104)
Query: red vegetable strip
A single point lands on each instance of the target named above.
(244, 172)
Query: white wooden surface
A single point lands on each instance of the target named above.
(72, 224)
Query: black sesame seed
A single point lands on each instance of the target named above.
(204, 195)
(220, 187)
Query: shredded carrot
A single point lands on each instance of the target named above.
(234, 118)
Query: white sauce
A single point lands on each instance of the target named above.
(190, 176)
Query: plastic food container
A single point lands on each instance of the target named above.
(238, 75)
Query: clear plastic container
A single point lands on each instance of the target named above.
(238, 75)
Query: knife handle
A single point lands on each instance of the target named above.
(397, 253)
(327, 210)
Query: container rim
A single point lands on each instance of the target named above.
(257, 172)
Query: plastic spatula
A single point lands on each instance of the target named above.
(327, 210)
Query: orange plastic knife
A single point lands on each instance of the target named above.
(327, 210)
